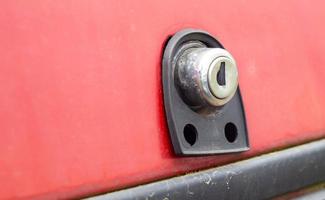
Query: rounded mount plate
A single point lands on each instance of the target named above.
(193, 132)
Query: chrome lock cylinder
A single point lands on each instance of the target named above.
(206, 76)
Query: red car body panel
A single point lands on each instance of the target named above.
(81, 107)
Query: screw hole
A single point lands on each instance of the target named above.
(190, 134)
(231, 132)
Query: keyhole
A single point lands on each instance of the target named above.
(221, 75)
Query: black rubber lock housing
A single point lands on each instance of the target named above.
(222, 130)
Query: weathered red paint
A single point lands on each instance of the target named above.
(81, 108)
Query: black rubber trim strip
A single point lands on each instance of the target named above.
(261, 177)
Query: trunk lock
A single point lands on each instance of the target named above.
(203, 105)
(206, 76)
